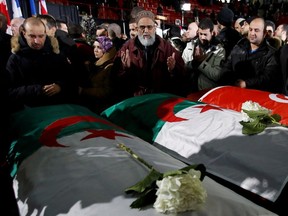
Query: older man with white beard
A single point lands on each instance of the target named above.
(147, 63)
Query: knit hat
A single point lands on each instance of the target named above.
(225, 16)
(240, 20)
(105, 43)
(145, 13)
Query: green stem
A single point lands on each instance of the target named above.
(278, 123)
(125, 148)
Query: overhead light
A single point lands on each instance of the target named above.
(186, 7)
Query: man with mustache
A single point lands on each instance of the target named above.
(253, 63)
(147, 63)
(208, 54)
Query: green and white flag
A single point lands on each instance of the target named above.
(200, 133)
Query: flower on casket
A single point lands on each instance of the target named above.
(180, 193)
(256, 118)
(171, 192)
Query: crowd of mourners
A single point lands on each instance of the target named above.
(47, 62)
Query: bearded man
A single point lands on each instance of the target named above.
(208, 55)
(147, 63)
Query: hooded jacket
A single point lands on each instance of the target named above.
(29, 70)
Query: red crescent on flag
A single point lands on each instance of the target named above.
(207, 107)
(49, 135)
(165, 110)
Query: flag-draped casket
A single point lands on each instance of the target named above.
(66, 161)
(199, 132)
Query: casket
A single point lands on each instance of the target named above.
(66, 160)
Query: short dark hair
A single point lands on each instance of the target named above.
(270, 23)
(59, 22)
(75, 30)
(51, 22)
(206, 23)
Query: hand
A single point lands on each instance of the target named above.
(51, 89)
(124, 36)
(171, 62)
(125, 58)
(199, 55)
(240, 83)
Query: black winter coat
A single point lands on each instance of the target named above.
(259, 69)
(29, 70)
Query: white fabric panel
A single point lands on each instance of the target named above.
(88, 178)
(214, 137)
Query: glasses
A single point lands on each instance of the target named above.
(149, 27)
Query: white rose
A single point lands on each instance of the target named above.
(252, 106)
(180, 193)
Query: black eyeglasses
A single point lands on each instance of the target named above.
(149, 27)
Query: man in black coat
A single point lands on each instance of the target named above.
(253, 62)
(228, 36)
(37, 73)
(8, 202)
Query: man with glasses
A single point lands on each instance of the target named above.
(147, 63)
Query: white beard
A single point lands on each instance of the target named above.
(147, 41)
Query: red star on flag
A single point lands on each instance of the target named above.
(109, 134)
(49, 135)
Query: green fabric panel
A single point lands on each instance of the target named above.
(28, 125)
(139, 114)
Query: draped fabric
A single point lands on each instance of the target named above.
(16, 7)
(68, 13)
(43, 7)
(4, 10)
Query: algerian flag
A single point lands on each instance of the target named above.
(145, 115)
(43, 126)
(200, 133)
(68, 163)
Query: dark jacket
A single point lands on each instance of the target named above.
(67, 45)
(97, 95)
(229, 37)
(207, 73)
(284, 67)
(259, 69)
(5, 50)
(29, 70)
(99, 76)
(149, 75)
